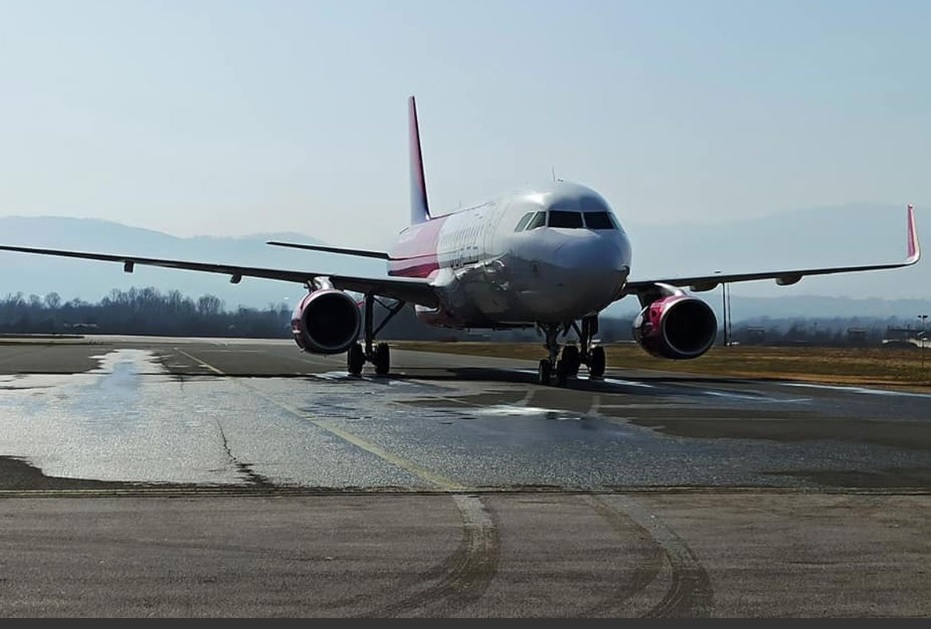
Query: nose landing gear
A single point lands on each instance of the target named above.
(564, 363)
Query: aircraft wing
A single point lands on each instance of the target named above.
(364, 253)
(412, 290)
(409, 289)
(699, 283)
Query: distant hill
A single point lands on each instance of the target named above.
(91, 280)
(850, 234)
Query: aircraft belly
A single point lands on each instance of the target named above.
(511, 291)
(544, 292)
(521, 293)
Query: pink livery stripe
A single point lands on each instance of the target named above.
(419, 266)
(415, 255)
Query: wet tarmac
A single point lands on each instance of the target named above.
(222, 414)
(642, 493)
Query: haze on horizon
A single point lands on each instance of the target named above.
(227, 117)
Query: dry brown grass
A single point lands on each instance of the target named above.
(900, 368)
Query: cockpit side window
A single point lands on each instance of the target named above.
(523, 221)
(561, 218)
(600, 220)
(539, 220)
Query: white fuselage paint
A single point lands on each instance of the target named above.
(490, 273)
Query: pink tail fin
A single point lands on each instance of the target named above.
(420, 209)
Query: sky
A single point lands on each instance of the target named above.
(228, 118)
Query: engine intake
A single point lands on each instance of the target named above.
(326, 322)
(679, 327)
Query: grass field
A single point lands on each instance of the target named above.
(901, 368)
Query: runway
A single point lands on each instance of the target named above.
(223, 477)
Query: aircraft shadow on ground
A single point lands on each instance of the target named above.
(639, 385)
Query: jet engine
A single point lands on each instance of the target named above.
(326, 321)
(677, 326)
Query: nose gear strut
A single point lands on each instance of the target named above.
(564, 363)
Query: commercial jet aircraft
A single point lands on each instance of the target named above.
(551, 257)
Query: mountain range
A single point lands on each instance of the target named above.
(830, 236)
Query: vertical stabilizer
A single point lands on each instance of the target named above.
(420, 210)
(914, 249)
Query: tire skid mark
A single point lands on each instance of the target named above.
(464, 577)
(466, 574)
(643, 575)
(690, 593)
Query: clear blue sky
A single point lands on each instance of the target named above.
(229, 117)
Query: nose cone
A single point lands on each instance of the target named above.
(589, 252)
(587, 273)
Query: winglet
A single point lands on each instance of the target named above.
(914, 250)
(420, 210)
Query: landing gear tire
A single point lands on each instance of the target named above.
(571, 359)
(596, 365)
(382, 358)
(544, 372)
(562, 372)
(355, 359)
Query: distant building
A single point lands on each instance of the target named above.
(80, 327)
(898, 334)
(755, 336)
(856, 336)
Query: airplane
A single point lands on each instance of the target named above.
(550, 257)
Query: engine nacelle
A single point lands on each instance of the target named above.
(326, 321)
(677, 327)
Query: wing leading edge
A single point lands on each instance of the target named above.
(412, 290)
(364, 253)
(699, 283)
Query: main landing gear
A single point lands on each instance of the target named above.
(378, 354)
(565, 364)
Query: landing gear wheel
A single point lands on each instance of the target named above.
(544, 372)
(562, 372)
(382, 358)
(355, 358)
(596, 365)
(571, 359)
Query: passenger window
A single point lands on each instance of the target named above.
(523, 222)
(539, 220)
(560, 218)
(599, 220)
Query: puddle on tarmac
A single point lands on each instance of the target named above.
(124, 420)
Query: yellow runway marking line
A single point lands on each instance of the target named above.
(439, 481)
(200, 362)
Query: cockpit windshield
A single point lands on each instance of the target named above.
(522, 224)
(566, 219)
(538, 220)
(561, 218)
(600, 220)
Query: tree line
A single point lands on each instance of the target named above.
(144, 311)
(147, 311)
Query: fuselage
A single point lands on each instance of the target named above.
(549, 255)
